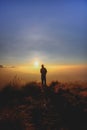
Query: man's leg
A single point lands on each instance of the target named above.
(45, 80)
(42, 81)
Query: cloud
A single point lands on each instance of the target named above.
(12, 67)
(9, 67)
(1, 66)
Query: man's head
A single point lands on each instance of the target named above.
(42, 66)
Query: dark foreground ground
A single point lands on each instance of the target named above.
(58, 107)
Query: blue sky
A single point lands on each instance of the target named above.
(54, 31)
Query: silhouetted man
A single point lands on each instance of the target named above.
(43, 72)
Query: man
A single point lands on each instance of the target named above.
(43, 72)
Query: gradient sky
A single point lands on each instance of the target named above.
(54, 31)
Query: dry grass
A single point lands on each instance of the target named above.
(59, 106)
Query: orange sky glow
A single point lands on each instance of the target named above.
(32, 73)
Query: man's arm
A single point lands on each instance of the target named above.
(46, 70)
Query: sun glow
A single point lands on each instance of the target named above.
(36, 63)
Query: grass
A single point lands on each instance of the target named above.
(59, 106)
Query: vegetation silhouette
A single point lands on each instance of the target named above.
(59, 107)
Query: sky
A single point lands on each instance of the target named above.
(52, 32)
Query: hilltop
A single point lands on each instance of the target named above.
(58, 106)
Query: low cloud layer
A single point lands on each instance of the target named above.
(2, 66)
